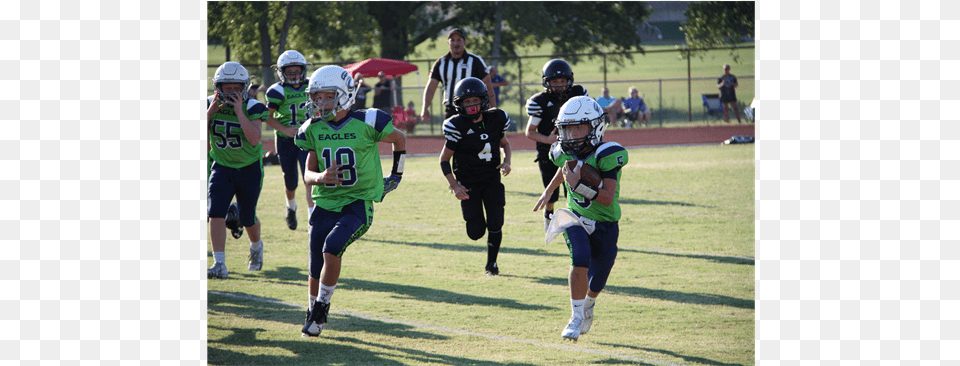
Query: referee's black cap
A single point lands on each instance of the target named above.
(456, 31)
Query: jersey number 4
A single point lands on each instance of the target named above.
(227, 137)
(346, 157)
(485, 154)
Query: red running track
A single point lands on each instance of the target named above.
(418, 145)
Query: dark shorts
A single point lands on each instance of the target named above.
(489, 198)
(728, 97)
(289, 154)
(244, 183)
(597, 251)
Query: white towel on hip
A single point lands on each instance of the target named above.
(564, 218)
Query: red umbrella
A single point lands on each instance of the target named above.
(370, 67)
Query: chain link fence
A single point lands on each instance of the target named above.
(671, 86)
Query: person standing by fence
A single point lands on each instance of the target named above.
(728, 93)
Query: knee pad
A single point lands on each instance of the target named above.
(476, 229)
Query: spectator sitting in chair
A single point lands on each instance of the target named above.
(612, 106)
(412, 118)
(634, 109)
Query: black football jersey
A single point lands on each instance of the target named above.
(546, 106)
(476, 146)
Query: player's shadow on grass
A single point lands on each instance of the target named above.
(472, 248)
(251, 307)
(715, 258)
(299, 351)
(666, 295)
(690, 359)
(435, 295)
(422, 357)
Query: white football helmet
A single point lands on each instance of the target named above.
(291, 58)
(580, 110)
(331, 78)
(232, 72)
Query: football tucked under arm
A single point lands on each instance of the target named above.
(590, 180)
(588, 174)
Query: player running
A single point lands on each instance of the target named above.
(233, 125)
(287, 100)
(543, 108)
(591, 229)
(343, 164)
(475, 137)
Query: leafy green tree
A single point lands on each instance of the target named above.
(719, 24)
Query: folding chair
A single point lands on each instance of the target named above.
(712, 106)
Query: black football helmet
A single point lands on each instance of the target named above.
(470, 87)
(554, 69)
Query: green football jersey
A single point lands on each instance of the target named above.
(351, 142)
(289, 103)
(228, 145)
(608, 158)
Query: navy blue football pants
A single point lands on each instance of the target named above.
(331, 232)
(245, 183)
(597, 251)
(289, 154)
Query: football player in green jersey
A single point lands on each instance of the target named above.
(590, 225)
(343, 164)
(234, 122)
(287, 100)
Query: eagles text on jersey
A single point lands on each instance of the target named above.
(351, 142)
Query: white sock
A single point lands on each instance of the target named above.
(589, 301)
(326, 292)
(311, 300)
(292, 204)
(219, 257)
(256, 245)
(577, 306)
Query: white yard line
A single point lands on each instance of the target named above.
(452, 330)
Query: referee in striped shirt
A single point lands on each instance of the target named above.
(456, 65)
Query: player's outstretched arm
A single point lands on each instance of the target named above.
(547, 192)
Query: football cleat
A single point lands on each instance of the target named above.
(316, 319)
(218, 270)
(492, 270)
(256, 259)
(587, 317)
(291, 218)
(233, 221)
(572, 331)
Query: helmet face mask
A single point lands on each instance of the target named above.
(332, 79)
(467, 89)
(580, 126)
(557, 69)
(291, 58)
(232, 73)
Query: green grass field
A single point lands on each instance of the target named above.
(413, 291)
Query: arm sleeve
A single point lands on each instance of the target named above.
(301, 140)
(274, 96)
(435, 71)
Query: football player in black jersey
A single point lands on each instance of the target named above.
(475, 138)
(542, 109)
